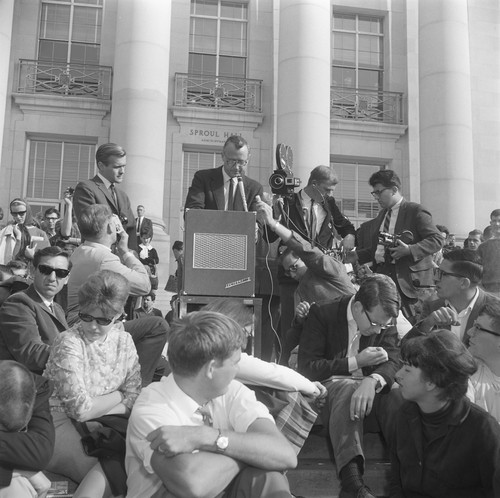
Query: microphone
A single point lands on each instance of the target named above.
(241, 188)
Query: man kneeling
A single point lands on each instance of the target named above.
(199, 432)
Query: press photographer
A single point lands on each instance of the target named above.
(400, 241)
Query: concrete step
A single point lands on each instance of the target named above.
(315, 475)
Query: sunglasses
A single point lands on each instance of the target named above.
(292, 268)
(476, 326)
(375, 324)
(439, 274)
(47, 270)
(18, 213)
(99, 320)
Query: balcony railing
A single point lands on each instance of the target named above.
(218, 92)
(366, 105)
(56, 78)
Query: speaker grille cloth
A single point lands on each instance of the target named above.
(219, 251)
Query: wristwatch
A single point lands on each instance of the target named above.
(378, 384)
(222, 442)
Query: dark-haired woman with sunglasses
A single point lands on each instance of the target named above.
(95, 370)
(20, 238)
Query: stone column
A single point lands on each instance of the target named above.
(446, 148)
(6, 21)
(303, 120)
(139, 111)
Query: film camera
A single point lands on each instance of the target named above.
(391, 240)
(282, 181)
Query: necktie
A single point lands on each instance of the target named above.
(312, 222)
(115, 197)
(230, 197)
(387, 221)
(51, 308)
(139, 225)
(205, 415)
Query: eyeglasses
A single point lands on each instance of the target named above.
(439, 274)
(476, 326)
(51, 219)
(378, 193)
(47, 270)
(239, 162)
(18, 213)
(99, 320)
(375, 324)
(292, 268)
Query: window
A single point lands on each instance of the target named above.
(357, 48)
(194, 161)
(70, 31)
(353, 191)
(218, 38)
(54, 166)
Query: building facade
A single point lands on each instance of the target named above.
(360, 85)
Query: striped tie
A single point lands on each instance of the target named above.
(387, 221)
(230, 197)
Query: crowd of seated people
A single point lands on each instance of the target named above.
(81, 377)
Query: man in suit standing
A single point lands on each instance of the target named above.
(350, 344)
(217, 188)
(111, 161)
(408, 262)
(143, 225)
(30, 320)
(460, 298)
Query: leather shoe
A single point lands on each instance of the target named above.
(363, 492)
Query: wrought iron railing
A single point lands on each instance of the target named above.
(366, 105)
(218, 92)
(56, 78)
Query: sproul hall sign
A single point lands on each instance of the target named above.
(207, 135)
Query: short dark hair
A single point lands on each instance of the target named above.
(151, 294)
(495, 212)
(476, 231)
(443, 229)
(237, 141)
(178, 245)
(285, 254)
(17, 392)
(202, 336)
(443, 359)
(466, 262)
(380, 290)
(93, 219)
(105, 151)
(385, 177)
(321, 174)
(50, 252)
(17, 264)
(491, 307)
(106, 290)
(51, 211)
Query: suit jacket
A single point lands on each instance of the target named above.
(28, 329)
(415, 270)
(93, 191)
(431, 306)
(207, 191)
(91, 257)
(335, 222)
(31, 450)
(324, 344)
(146, 228)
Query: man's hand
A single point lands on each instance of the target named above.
(400, 251)
(318, 399)
(348, 242)
(442, 317)
(30, 250)
(68, 197)
(371, 356)
(362, 399)
(172, 440)
(301, 311)
(264, 211)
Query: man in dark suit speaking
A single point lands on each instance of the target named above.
(218, 189)
(111, 160)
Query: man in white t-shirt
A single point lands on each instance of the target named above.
(200, 431)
